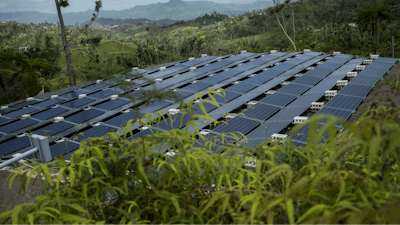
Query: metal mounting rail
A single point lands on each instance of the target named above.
(15, 159)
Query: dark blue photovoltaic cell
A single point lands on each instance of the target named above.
(344, 102)
(287, 114)
(216, 140)
(49, 102)
(257, 79)
(84, 116)
(20, 112)
(154, 106)
(104, 93)
(295, 61)
(294, 89)
(271, 73)
(179, 121)
(53, 129)
(240, 124)
(199, 86)
(214, 79)
(244, 67)
(14, 145)
(222, 63)
(307, 80)
(78, 102)
(272, 128)
(74, 94)
(302, 135)
(97, 131)
(25, 103)
(184, 94)
(208, 107)
(278, 99)
(345, 114)
(345, 56)
(145, 133)
(4, 111)
(305, 100)
(96, 86)
(381, 66)
(206, 69)
(284, 66)
(17, 125)
(318, 72)
(50, 113)
(241, 87)
(63, 148)
(2, 119)
(229, 96)
(121, 120)
(355, 90)
(385, 60)
(252, 142)
(371, 72)
(229, 73)
(364, 80)
(261, 111)
(112, 104)
(340, 61)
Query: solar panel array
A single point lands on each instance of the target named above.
(281, 86)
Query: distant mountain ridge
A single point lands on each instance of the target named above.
(173, 10)
(110, 22)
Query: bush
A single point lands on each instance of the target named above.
(352, 179)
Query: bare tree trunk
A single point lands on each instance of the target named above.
(294, 30)
(66, 47)
(294, 45)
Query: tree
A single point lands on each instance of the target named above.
(374, 14)
(278, 8)
(64, 33)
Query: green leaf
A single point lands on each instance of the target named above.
(290, 210)
(313, 210)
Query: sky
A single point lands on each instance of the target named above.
(48, 6)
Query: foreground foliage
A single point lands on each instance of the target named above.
(352, 179)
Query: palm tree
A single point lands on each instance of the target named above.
(374, 14)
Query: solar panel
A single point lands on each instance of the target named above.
(149, 131)
(50, 113)
(278, 99)
(230, 73)
(196, 87)
(326, 110)
(178, 121)
(344, 102)
(78, 102)
(287, 114)
(222, 63)
(20, 112)
(121, 120)
(381, 66)
(385, 60)
(25, 103)
(208, 107)
(53, 129)
(305, 100)
(372, 72)
(84, 116)
(284, 66)
(244, 67)
(303, 133)
(17, 125)
(252, 143)
(49, 102)
(293, 89)
(74, 93)
(261, 111)
(307, 80)
(4, 111)
(97, 131)
(214, 79)
(318, 72)
(14, 145)
(184, 94)
(63, 148)
(336, 60)
(104, 93)
(96, 86)
(267, 129)
(112, 104)
(240, 124)
(2, 119)
(258, 79)
(241, 87)
(355, 90)
(154, 106)
(216, 140)
(229, 96)
(271, 73)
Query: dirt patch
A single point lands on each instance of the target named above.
(384, 93)
(9, 198)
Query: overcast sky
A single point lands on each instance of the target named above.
(48, 6)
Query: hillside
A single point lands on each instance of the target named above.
(174, 10)
(111, 22)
